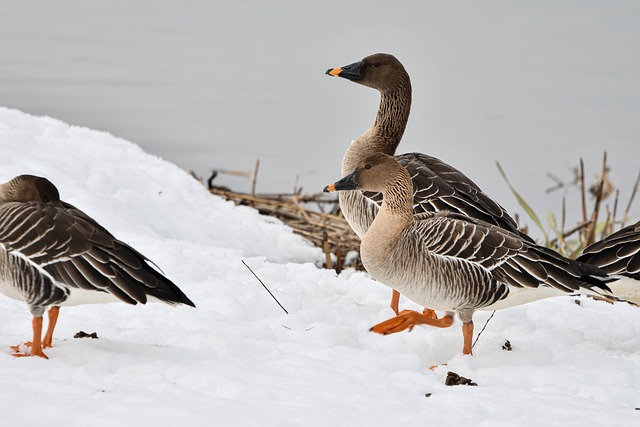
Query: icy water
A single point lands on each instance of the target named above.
(218, 85)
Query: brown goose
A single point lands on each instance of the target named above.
(454, 263)
(53, 254)
(437, 186)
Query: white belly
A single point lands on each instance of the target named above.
(519, 296)
(8, 289)
(83, 296)
(626, 288)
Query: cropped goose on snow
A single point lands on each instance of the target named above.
(52, 254)
(618, 254)
(437, 186)
(454, 263)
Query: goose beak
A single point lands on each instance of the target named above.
(347, 183)
(351, 72)
(331, 188)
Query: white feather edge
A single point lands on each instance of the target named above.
(77, 296)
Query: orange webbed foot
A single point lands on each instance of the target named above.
(407, 319)
(16, 348)
(36, 344)
(27, 350)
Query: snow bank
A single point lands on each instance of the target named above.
(135, 193)
(238, 359)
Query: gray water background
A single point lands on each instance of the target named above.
(220, 84)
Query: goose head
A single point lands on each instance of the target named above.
(380, 71)
(378, 172)
(29, 188)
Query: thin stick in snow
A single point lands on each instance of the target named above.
(265, 286)
(483, 328)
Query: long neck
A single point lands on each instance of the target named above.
(396, 211)
(387, 129)
(385, 232)
(391, 120)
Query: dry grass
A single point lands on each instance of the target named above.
(600, 202)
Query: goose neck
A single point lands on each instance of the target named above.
(391, 118)
(387, 129)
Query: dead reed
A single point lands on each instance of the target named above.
(599, 205)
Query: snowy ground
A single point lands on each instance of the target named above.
(238, 359)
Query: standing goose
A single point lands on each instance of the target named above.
(437, 186)
(53, 254)
(454, 263)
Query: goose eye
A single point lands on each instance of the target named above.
(376, 64)
(367, 166)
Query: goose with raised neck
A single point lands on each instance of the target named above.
(53, 254)
(437, 186)
(454, 263)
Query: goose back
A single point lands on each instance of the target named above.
(618, 253)
(49, 248)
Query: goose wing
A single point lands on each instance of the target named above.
(618, 253)
(441, 187)
(76, 251)
(30, 282)
(509, 257)
(18, 254)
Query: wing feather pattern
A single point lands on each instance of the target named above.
(507, 256)
(63, 248)
(618, 253)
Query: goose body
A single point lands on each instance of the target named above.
(53, 254)
(455, 263)
(619, 254)
(437, 186)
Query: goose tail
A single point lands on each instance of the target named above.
(165, 290)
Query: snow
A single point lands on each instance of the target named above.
(238, 359)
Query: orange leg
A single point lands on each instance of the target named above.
(53, 318)
(36, 344)
(467, 335)
(395, 304)
(407, 319)
(395, 301)
(430, 313)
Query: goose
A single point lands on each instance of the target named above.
(53, 254)
(452, 262)
(437, 186)
(618, 254)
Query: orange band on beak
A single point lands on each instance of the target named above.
(335, 72)
(330, 188)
